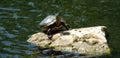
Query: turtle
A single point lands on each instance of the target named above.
(53, 23)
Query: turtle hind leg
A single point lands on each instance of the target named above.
(49, 33)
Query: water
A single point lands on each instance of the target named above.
(20, 19)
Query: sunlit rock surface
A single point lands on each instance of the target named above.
(90, 41)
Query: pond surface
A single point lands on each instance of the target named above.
(20, 18)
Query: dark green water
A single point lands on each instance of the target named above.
(19, 19)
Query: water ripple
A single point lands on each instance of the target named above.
(15, 16)
(9, 9)
(7, 43)
(2, 28)
(33, 10)
(28, 52)
(5, 55)
(6, 33)
(4, 17)
(17, 56)
(9, 35)
(1, 38)
(10, 56)
(31, 4)
(4, 13)
(12, 50)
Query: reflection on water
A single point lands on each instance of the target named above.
(19, 19)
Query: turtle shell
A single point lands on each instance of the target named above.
(49, 20)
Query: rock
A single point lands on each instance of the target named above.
(89, 41)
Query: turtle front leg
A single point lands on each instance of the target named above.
(49, 33)
(66, 25)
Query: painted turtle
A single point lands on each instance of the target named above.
(53, 23)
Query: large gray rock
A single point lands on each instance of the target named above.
(89, 41)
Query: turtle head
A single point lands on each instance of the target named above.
(58, 16)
